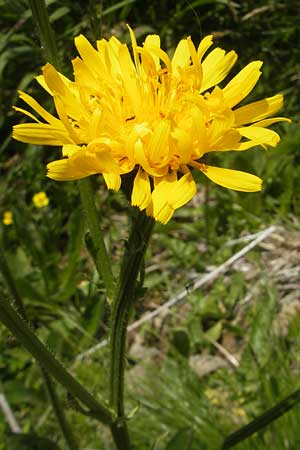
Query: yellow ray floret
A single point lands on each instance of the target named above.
(151, 115)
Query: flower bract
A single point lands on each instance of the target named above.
(152, 115)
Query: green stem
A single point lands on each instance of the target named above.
(41, 20)
(59, 412)
(136, 247)
(11, 319)
(262, 421)
(102, 260)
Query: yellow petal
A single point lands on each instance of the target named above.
(196, 63)
(181, 57)
(216, 67)
(170, 194)
(233, 179)
(183, 191)
(41, 80)
(226, 141)
(158, 147)
(27, 113)
(64, 118)
(109, 52)
(69, 149)
(112, 180)
(62, 170)
(155, 51)
(89, 54)
(87, 161)
(41, 134)
(243, 83)
(141, 193)
(53, 79)
(204, 46)
(153, 40)
(268, 122)
(263, 135)
(134, 47)
(258, 110)
(148, 67)
(38, 108)
(105, 161)
(160, 208)
(141, 159)
(129, 75)
(241, 146)
(83, 75)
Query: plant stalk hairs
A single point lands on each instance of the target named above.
(148, 119)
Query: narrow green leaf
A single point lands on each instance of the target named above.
(58, 13)
(262, 421)
(181, 441)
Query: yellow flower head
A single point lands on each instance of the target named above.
(7, 218)
(40, 200)
(151, 115)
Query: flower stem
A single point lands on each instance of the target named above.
(11, 319)
(136, 247)
(41, 20)
(58, 410)
(102, 260)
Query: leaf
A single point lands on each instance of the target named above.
(214, 333)
(181, 342)
(29, 442)
(93, 316)
(60, 12)
(263, 420)
(182, 440)
(116, 6)
(158, 440)
(68, 278)
(261, 334)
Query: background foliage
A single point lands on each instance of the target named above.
(180, 406)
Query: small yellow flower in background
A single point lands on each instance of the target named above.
(240, 413)
(7, 218)
(213, 396)
(40, 200)
(151, 115)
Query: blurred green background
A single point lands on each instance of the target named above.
(183, 392)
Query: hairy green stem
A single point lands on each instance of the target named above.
(102, 260)
(136, 247)
(41, 20)
(11, 319)
(58, 410)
